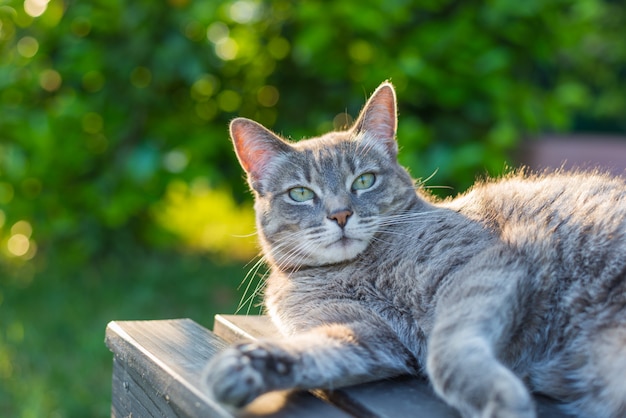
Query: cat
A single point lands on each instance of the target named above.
(514, 287)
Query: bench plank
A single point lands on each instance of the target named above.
(402, 396)
(157, 371)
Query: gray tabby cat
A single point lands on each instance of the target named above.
(516, 286)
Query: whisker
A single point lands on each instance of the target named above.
(401, 214)
(257, 291)
(249, 275)
(403, 221)
(421, 182)
(439, 187)
(388, 232)
(378, 239)
(297, 251)
(245, 235)
(249, 278)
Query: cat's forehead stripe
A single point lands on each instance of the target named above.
(306, 168)
(328, 161)
(352, 163)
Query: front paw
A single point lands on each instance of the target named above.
(509, 399)
(241, 373)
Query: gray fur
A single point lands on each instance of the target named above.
(516, 286)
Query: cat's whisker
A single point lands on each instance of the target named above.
(249, 278)
(308, 248)
(254, 267)
(252, 234)
(304, 246)
(438, 187)
(392, 232)
(378, 239)
(290, 258)
(257, 291)
(400, 221)
(405, 221)
(421, 182)
(298, 250)
(410, 214)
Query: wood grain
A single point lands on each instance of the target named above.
(157, 371)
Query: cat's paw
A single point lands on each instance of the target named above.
(491, 391)
(508, 398)
(496, 403)
(241, 373)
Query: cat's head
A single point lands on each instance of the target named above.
(322, 200)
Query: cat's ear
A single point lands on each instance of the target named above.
(379, 118)
(256, 147)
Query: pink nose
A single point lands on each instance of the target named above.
(341, 217)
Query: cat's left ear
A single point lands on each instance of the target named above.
(379, 118)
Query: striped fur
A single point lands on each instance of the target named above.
(516, 286)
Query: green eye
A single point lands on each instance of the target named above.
(364, 181)
(301, 194)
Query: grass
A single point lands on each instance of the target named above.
(53, 361)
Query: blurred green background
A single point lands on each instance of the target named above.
(120, 196)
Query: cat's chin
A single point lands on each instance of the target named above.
(341, 251)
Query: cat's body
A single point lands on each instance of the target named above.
(518, 285)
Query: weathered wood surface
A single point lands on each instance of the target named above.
(400, 397)
(157, 371)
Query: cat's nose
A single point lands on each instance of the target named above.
(341, 217)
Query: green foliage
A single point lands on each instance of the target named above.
(472, 77)
(106, 105)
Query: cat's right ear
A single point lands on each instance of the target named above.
(256, 147)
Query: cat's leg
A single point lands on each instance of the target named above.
(588, 375)
(327, 356)
(476, 318)
(601, 390)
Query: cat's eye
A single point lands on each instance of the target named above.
(301, 194)
(364, 181)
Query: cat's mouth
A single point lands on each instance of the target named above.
(347, 244)
(344, 240)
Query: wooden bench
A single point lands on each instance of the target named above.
(157, 367)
